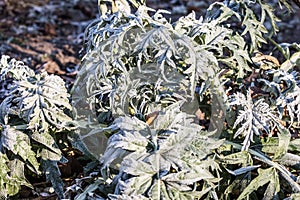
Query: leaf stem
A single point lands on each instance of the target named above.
(278, 47)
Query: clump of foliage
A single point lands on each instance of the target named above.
(142, 80)
(33, 112)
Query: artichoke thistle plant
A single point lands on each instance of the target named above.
(191, 109)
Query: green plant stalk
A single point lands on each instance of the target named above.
(278, 47)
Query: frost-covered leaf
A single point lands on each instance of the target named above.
(253, 118)
(14, 69)
(291, 160)
(268, 11)
(131, 137)
(265, 176)
(185, 177)
(293, 61)
(19, 143)
(11, 176)
(243, 170)
(88, 191)
(49, 149)
(42, 102)
(4, 177)
(294, 145)
(35, 108)
(144, 181)
(143, 174)
(242, 157)
(17, 177)
(174, 138)
(284, 140)
(32, 109)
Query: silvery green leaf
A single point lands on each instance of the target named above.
(42, 102)
(283, 144)
(227, 12)
(4, 178)
(286, 98)
(290, 100)
(294, 145)
(14, 69)
(142, 177)
(290, 159)
(126, 140)
(242, 157)
(11, 176)
(178, 184)
(184, 178)
(254, 28)
(49, 145)
(177, 141)
(253, 118)
(19, 143)
(169, 190)
(47, 154)
(89, 190)
(170, 130)
(268, 11)
(17, 174)
(265, 176)
(202, 145)
(243, 170)
(291, 62)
